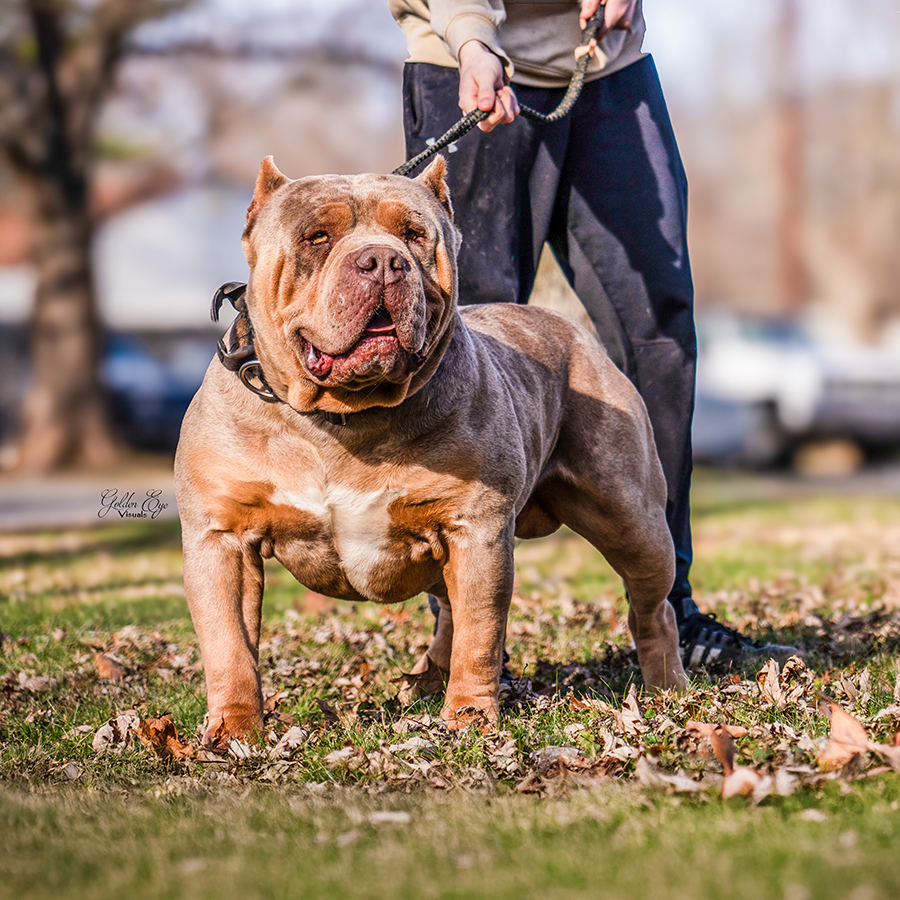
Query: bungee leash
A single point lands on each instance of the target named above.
(583, 54)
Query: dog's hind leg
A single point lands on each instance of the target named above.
(605, 482)
(432, 670)
(633, 537)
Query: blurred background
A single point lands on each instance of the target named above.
(131, 132)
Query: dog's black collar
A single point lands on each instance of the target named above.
(237, 352)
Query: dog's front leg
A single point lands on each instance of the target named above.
(223, 582)
(479, 579)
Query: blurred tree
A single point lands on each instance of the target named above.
(57, 63)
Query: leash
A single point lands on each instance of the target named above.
(236, 350)
(583, 54)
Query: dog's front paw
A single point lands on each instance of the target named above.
(460, 712)
(220, 728)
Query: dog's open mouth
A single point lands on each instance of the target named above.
(380, 323)
(378, 348)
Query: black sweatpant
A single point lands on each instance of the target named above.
(606, 189)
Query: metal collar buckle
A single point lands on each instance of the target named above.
(261, 388)
(250, 371)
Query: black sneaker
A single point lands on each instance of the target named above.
(705, 641)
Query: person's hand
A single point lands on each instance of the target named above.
(617, 16)
(481, 85)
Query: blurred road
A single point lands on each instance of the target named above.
(715, 486)
(146, 490)
(143, 490)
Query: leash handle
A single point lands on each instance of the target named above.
(471, 119)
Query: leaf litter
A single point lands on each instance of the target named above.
(575, 717)
(638, 739)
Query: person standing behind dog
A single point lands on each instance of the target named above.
(605, 188)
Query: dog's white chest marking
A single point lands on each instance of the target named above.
(359, 523)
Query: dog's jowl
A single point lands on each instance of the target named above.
(380, 442)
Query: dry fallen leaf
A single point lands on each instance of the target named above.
(271, 713)
(844, 727)
(503, 757)
(418, 746)
(330, 713)
(115, 733)
(35, 684)
(240, 749)
(348, 757)
(293, 739)
(847, 739)
(631, 717)
(161, 737)
(695, 738)
(739, 781)
(270, 704)
(430, 679)
(546, 757)
(742, 782)
(108, 668)
(891, 753)
(650, 775)
(705, 729)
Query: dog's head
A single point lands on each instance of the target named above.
(352, 285)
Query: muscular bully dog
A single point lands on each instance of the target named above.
(404, 444)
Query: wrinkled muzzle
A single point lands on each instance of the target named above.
(370, 319)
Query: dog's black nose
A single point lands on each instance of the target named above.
(381, 264)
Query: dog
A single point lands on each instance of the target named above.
(391, 442)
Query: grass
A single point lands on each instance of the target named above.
(265, 842)
(380, 801)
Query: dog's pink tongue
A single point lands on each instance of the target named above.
(319, 363)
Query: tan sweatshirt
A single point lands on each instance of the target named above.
(536, 41)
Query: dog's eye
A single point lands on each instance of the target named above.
(411, 235)
(318, 237)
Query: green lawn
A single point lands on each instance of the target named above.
(376, 799)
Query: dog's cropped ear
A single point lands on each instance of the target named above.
(267, 182)
(434, 178)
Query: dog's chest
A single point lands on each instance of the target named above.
(358, 528)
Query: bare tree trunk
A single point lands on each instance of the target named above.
(792, 272)
(57, 63)
(64, 418)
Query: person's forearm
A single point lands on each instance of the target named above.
(457, 22)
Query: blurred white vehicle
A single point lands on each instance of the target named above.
(765, 388)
